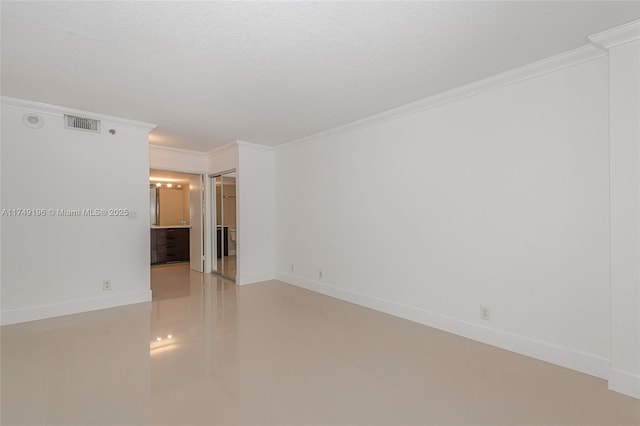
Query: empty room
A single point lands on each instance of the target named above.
(320, 213)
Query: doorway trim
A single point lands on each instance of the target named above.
(204, 210)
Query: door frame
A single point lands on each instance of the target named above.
(204, 216)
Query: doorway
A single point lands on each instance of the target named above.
(225, 232)
(176, 218)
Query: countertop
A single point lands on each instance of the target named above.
(170, 226)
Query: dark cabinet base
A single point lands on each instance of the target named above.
(169, 245)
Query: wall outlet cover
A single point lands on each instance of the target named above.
(485, 313)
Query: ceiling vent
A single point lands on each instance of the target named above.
(82, 123)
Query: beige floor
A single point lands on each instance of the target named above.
(207, 352)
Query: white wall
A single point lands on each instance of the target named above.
(256, 213)
(503, 202)
(255, 207)
(624, 101)
(224, 158)
(56, 265)
(179, 160)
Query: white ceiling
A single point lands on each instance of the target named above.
(210, 73)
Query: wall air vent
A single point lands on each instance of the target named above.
(82, 123)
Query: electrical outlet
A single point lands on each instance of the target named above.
(485, 313)
(320, 273)
(106, 285)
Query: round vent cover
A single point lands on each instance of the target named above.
(33, 120)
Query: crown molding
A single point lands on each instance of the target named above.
(548, 65)
(616, 36)
(243, 144)
(28, 105)
(177, 150)
(255, 146)
(222, 148)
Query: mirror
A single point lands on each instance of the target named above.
(168, 198)
(169, 206)
(225, 219)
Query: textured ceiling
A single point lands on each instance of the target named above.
(269, 72)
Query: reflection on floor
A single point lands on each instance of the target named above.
(209, 352)
(172, 280)
(229, 266)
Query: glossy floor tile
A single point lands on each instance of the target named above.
(206, 352)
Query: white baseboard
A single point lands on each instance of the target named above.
(33, 313)
(562, 356)
(252, 278)
(624, 382)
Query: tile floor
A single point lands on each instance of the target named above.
(206, 352)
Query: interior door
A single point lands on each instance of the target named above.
(224, 224)
(196, 220)
(216, 240)
(229, 229)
